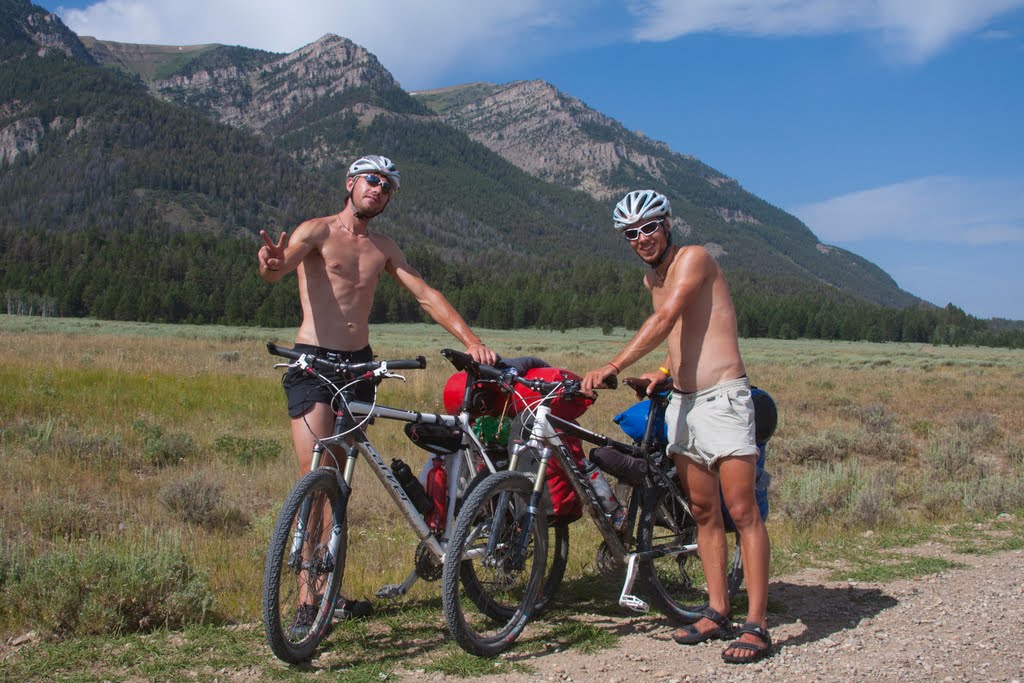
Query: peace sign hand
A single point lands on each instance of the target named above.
(271, 255)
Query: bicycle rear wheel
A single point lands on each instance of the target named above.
(305, 564)
(675, 581)
(499, 561)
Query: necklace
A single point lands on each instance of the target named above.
(348, 229)
(665, 263)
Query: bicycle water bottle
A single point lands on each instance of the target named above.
(412, 486)
(609, 503)
(437, 492)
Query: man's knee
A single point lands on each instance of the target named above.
(745, 513)
(707, 513)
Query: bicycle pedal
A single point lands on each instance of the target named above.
(626, 598)
(390, 591)
(352, 609)
(634, 603)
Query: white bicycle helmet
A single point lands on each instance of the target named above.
(640, 205)
(374, 163)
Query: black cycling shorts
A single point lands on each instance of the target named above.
(303, 390)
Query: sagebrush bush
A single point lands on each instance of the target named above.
(844, 493)
(828, 446)
(247, 450)
(63, 516)
(195, 499)
(977, 429)
(951, 455)
(161, 449)
(877, 419)
(109, 587)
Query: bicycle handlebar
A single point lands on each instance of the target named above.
(353, 369)
(509, 377)
(639, 386)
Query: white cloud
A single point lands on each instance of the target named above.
(413, 39)
(914, 30)
(942, 209)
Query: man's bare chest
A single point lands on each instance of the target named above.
(357, 260)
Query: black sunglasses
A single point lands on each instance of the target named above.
(375, 180)
(633, 234)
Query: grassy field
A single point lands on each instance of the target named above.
(141, 467)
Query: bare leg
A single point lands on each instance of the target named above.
(317, 422)
(737, 477)
(701, 487)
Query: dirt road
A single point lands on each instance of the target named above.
(961, 625)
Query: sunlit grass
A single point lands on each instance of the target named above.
(104, 425)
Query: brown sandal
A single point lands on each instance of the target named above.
(691, 635)
(753, 652)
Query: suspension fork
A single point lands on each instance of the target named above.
(544, 452)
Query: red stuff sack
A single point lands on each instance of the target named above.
(566, 409)
(487, 397)
(561, 502)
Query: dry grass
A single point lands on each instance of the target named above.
(176, 438)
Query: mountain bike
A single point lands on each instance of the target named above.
(306, 558)
(653, 540)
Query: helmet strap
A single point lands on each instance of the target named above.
(668, 247)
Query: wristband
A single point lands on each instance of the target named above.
(667, 373)
(617, 371)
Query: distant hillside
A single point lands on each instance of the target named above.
(139, 195)
(147, 61)
(556, 137)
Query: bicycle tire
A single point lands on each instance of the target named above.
(558, 559)
(286, 578)
(669, 581)
(489, 620)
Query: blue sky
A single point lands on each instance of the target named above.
(893, 128)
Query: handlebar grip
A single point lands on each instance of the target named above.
(610, 382)
(417, 364)
(282, 351)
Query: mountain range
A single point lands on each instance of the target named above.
(506, 188)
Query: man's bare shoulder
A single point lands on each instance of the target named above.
(692, 263)
(314, 230)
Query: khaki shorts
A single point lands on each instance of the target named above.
(712, 424)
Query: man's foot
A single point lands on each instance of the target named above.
(304, 618)
(712, 625)
(753, 644)
(351, 609)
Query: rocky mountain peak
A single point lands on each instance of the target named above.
(260, 96)
(34, 25)
(554, 136)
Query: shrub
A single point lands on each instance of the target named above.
(196, 500)
(951, 455)
(104, 588)
(826, 446)
(977, 429)
(877, 419)
(64, 517)
(247, 451)
(846, 493)
(161, 449)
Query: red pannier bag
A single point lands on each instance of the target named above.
(566, 409)
(487, 398)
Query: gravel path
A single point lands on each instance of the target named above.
(961, 625)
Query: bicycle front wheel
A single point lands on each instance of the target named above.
(499, 556)
(305, 564)
(554, 572)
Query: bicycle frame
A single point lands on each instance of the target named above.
(350, 416)
(545, 440)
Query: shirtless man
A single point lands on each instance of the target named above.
(710, 417)
(339, 261)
